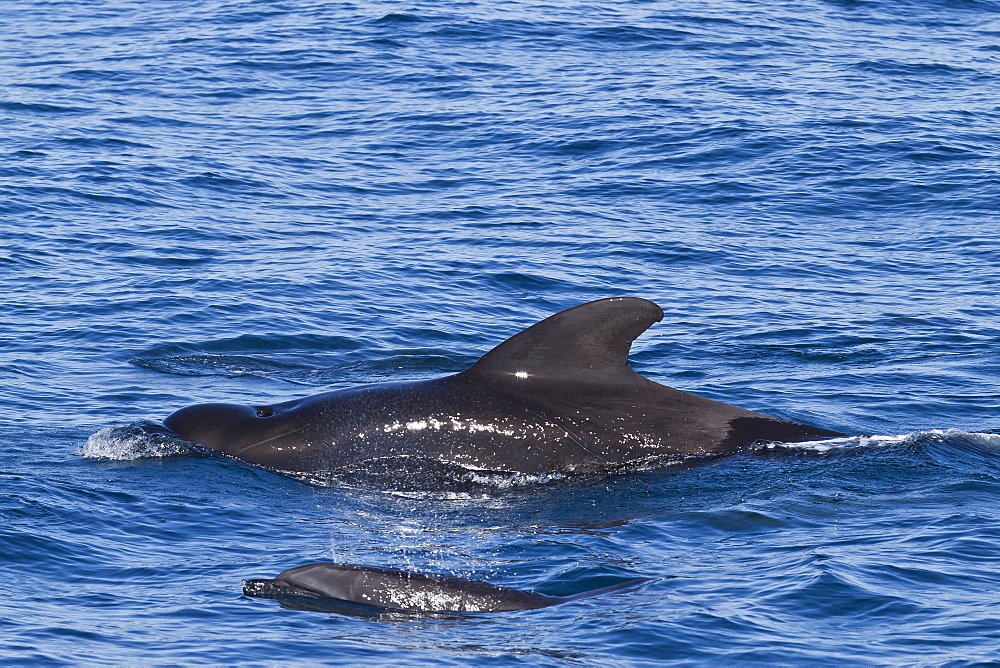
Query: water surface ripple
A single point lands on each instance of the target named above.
(227, 200)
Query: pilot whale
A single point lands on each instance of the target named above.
(558, 396)
(390, 589)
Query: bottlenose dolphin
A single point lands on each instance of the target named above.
(558, 396)
(390, 589)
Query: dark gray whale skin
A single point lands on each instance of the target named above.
(558, 396)
(390, 589)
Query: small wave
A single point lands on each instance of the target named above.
(394, 18)
(845, 443)
(984, 440)
(137, 440)
(40, 108)
(230, 366)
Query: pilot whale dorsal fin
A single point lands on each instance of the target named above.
(590, 338)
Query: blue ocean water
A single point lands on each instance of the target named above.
(252, 202)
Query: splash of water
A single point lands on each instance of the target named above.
(136, 440)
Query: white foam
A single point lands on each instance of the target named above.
(513, 480)
(851, 442)
(985, 440)
(137, 440)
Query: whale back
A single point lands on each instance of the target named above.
(557, 396)
(391, 589)
(408, 591)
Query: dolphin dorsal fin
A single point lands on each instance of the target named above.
(592, 337)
